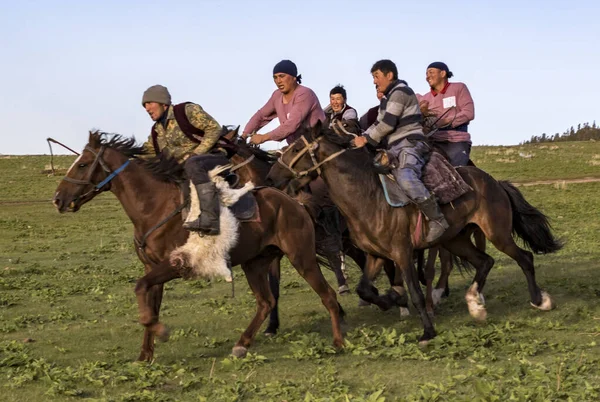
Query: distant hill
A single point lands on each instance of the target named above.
(583, 133)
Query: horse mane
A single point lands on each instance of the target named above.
(246, 151)
(164, 167)
(358, 161)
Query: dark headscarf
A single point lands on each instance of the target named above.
(287, 67)
(441, 66)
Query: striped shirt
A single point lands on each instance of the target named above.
(399, 116)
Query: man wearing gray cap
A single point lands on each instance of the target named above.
(189, 134)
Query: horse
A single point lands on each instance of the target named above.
(255, 164)
(149, 191)
(497, 208)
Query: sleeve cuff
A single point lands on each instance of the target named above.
(371, 141)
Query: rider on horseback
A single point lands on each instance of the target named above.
(293, 104)
(398, 123)
(452, 135)
(338, 109)
(191, 135)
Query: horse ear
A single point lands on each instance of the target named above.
(236, 132)
(93, 138)
(317, 130)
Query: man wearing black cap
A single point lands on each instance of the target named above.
(293, 104)
(451, 103)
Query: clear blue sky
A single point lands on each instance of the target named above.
(71, 66)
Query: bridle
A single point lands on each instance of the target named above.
(97, 161)
(310, 147)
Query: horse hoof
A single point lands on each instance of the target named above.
(161, 331)
(476, 303)
(423, 343)
(404, 312)
(547, 304)
(239, 352)
(363, 303)
(344, 290)
(436, 295)
(338, 344)
(269, 333)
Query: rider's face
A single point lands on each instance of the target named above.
(435, 77)
(382, 81)
(155, 109)
(285, 82)
(337, 102)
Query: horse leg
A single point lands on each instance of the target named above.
(396, 294)
(360, 258)
(369, 293)
(336, 264)
(480, 240)
(442, 289)
(483, 263)
(274, 279)
(308, 268)
(149, 292)
(257, 276)
(539, 298)
(428, 275)
(403, 260)
(420, 263)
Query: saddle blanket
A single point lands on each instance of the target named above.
(208, 256)
(439, 177)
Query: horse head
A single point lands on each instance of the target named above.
(92, 171)
(301, 161)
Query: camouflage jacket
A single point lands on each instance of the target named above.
(171, 138)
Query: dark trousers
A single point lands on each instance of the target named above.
(458, 153)
(198, 166)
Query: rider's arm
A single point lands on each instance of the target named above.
(465, 106)
(386, 123)
(303, 104)
(262, 117)
(205, 122)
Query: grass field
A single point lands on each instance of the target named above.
(68, 315)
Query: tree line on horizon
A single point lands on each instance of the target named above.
(585, 132)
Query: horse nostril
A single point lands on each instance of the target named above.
(57, 203)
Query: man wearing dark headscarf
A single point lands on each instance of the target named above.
(293, 104)
(451, 103)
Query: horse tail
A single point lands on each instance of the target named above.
(529, 223)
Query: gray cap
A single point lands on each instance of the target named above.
(157, 93)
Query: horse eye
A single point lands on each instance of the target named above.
(82, 165)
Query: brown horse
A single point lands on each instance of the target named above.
(149, 191)
(256, 170)
(497, 208)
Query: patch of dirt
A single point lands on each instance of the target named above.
(558, 181)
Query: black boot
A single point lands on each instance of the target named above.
(437, 221)
(208, 221)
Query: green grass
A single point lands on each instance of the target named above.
(521, 163)
(68, 315)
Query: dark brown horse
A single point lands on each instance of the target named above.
(256, 170)
(497, 208)
(149, 191)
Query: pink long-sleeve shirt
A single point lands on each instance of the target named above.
(454, 94)
(303, 109)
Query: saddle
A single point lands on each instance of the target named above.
(245, 209)
(439, 177)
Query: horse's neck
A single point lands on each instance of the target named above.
(352, 194)
(256, 171)
(145, 200)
